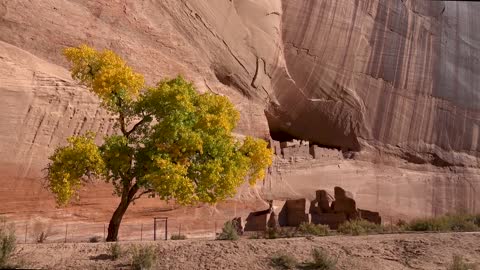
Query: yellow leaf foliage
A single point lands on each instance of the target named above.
(180, 144)
(194, 137)
(80, 158)
(104, 73)
(259, 157)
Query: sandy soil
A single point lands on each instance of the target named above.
(401, 251)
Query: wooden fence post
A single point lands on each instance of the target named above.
(66, 232)
(26, 232)
(154, 230)
(166, 229)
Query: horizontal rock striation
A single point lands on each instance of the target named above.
(388, 89)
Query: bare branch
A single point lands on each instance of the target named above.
(144, 119)
(141, 194)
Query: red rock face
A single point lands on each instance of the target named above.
(381, 73)
(394, 80)
(392, 84)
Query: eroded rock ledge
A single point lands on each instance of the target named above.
(391, 85)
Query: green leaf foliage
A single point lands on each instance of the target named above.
(171, 142)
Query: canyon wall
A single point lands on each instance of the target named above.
(391, 85)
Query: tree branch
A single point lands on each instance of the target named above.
(131, 193)
(141, 194)
(122, 118)
(144, 119)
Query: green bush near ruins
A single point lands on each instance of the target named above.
(314, 229)
(447, 223)
(229, 231)
(359, 227)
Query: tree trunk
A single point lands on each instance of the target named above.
(128, 195)
(116, 219)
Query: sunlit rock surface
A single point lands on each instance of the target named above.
(392, 85)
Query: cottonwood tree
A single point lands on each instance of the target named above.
(171, 142)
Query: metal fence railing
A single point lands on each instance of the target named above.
(52, 232)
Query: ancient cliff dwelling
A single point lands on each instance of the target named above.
(322, 210)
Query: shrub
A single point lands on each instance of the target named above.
(7, 246)
(271, 233)
(401, 223)
(314, 229)
(288, 232)
(95, 239)
(178, 237)
(321, 261)
(115, 251)
(256, 235)
(462, 224)
(42, 237)
(41, 231)
(279, 232)
(358, 227)
(424, 224)
(457, 223)
(283, 261)
(476, 219)
(459, 264)
(229, 231)
(143, 257)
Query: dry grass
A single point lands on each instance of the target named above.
(178, 237)
(459, 264)
(283, 261)
(115, 251)
(143, 257)
(7, 246)
(321, 261)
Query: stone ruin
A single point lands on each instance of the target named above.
(303, 149)
(322, 210)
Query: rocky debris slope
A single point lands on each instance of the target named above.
(392, 86)
(392, 252)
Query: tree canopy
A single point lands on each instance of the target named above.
(171, 141)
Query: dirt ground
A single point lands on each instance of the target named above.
(400, 251)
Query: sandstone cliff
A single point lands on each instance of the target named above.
(392, 85)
